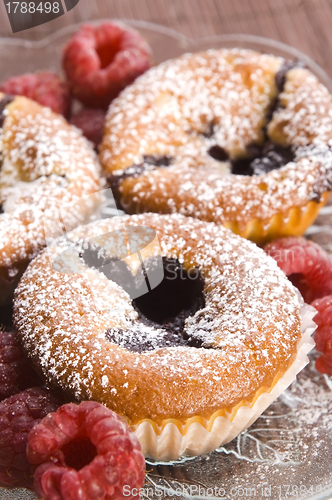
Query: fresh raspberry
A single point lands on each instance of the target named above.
(16, 373)
(323, 334)
(18, 414)
(46, 88)
(100, 61)
(91, 122)
(85, 452)
(306, 264)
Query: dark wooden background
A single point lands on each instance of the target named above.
(305, 24)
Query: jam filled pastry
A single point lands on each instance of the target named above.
(191, 355)
(45, 165)
(230, 136)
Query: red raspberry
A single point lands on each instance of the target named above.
(91, 122)
(85, 452)
(323, 335)
(306, 264)
(46, 88)
(16, 373)
(100, 61)
(18, 414)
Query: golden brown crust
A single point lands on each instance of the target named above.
(46, 165)
(251, 317)
(305, 112)
(172, 107)
(181, 109)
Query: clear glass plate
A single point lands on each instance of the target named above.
(287, 453)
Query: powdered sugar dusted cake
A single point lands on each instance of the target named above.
(230, 136)
(222, 325)
(46, 167)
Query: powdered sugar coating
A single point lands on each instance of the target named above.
(171, 109)
(46, 165)
(305, 112)
(251, 322)
(185, 106)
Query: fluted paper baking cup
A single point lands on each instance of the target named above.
(294, 223)
(199, 435)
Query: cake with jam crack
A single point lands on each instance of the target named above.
(230, 136)
(182, 327)
(47, 167)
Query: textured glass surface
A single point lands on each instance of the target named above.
(287, 453)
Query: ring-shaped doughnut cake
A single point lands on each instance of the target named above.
(230, 136)
(46, 166)
(221, 327)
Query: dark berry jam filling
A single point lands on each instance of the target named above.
(263, 160)
(281, 75)
(259, 160)
(150, 162)
(157, 160)
(218, 153)
(164, 308)
(178, 294)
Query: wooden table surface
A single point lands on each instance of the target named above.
(305, 24)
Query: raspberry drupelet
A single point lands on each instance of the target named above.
(45, 87)
(16, 373)
(85, 452)
(323, 335)
(91, 122)
(18, 414)
(309, 267)
(100, 61)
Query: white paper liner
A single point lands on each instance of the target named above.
(170, 444)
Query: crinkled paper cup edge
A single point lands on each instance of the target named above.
(169, 443)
